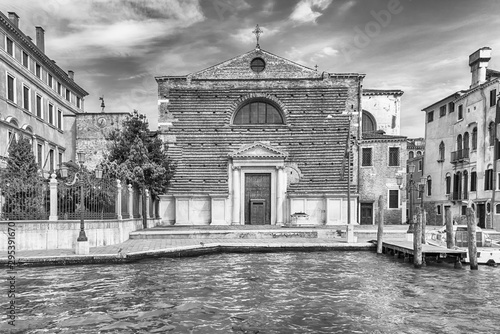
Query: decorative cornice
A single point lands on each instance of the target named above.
(267, 152)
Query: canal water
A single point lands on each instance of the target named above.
(316, 292)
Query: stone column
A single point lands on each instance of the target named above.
(236, 195)
(53, 197)
(148, 198)
(118, 206)
(130, 201)
(280, 189)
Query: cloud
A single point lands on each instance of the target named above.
(246, 37)
(307, 11)
(329, 51)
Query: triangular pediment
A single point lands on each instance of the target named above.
(276, 67)
(258, 150)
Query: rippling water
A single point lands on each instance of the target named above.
(320, 292)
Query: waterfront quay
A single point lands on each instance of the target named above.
(179, 241)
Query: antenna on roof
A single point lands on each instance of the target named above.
(102, 103)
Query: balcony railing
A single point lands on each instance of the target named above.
(460, 155)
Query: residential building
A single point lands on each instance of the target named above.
(37, 98)
(461, 163)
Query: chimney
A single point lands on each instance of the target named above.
(40, 38)
(478, 62)
(14, 18)
(71, 75)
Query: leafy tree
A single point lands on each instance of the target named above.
(21, 183)
(139, 157)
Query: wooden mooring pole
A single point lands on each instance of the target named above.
(424, 222)
(417, 241)
(471, 230)
(380, 231)
(450, 240)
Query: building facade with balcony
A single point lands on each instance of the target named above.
(37, 98)
(461, 140)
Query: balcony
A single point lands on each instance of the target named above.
(460, 156)
(455, 196)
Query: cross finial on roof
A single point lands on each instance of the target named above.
(257, 33)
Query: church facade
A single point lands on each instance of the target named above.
(259, 139)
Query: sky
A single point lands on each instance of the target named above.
(117, 47)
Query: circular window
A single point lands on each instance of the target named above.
(257, 65)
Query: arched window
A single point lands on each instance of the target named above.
(369, 122)
(258, 112)
(491, 132)
(448, 183)
(459, 142)
(441, 151)
(429, 186)
(474, 138)
(411, 155)
(466, 185)
(457, 186)
(419, 153)
(466, 141)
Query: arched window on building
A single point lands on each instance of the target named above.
(448, 184)
(369, 124)
(411, 155)
(419, 153)
(466, 141)
(491, 133)
(457, 186)
(429, 186)
(474, 138)
(459, 142)
(441, 151)
(466, 185)
(258, 112)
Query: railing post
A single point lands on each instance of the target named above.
(130, 201)
(118, 207)
(53, 197)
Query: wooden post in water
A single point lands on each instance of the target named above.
(424, 221)
(380, 231)
(471, 231)
(417, 241)
(450, 240)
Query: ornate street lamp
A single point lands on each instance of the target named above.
(82, 237)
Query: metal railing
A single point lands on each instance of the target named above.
(24, 202)
(459, 155)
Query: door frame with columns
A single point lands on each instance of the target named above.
(258, 157)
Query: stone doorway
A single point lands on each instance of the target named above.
(366, 214)
(257, 198)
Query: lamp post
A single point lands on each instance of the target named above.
(82, 246)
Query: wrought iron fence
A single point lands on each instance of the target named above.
(99, 199)
(135, 207)
(20, 201)
(125, 201)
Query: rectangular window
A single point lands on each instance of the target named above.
(393, 199)
(430, 116)
(60, 159)
(78, 102)
(420, 164)
(461, 111)
(488, 179)
(39, 154)
(442, 111)
(50, 82)
(39, 105)
(26, 60)
(11, 88)
(473, 181)
(26, 98)
(51, 114)
(59, 119)
(68, 95)
(51, 160)
(464, 210)
(367, 157)
(59, 88)
(451, 107)
(10, 46)
(393, 156)
(493, 97)
(438, 209)
(38, 71)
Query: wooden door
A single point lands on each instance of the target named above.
(366, 214)
(258, 198)
(481, 215)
